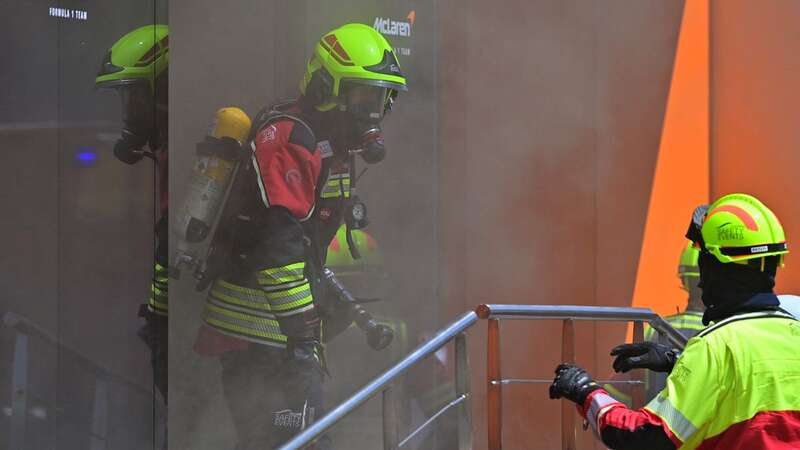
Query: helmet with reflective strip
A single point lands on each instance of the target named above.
(687, 266)
(738, 227)
(139, 56)
(341, 261)
(353, 53)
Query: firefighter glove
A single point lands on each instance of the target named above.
(644, 355)
(301, 349)
(128, 147)
(572, 383)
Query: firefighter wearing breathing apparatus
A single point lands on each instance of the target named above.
(734, 386)
(136, 68)
(265, 310)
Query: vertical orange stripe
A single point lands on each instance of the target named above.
(681, 179)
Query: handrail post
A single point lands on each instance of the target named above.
(568, 433)
(390, 437)
(98, 437)
(494, 388)
(463, 388)
(19, 394)
(637, 391)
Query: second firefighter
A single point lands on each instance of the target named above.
(264, 313)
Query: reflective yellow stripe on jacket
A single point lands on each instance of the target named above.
(337, 185)
(158, 302)
(244, 313)
(252, 313)
(286, 288)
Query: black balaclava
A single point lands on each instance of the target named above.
(730, 288)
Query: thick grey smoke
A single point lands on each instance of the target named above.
(252, 53)
(518, 171)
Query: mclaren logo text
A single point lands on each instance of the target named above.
(390, 27)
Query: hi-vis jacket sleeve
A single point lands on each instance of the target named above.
(287, 165)
(673, 417)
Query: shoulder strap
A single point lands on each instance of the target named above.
(272, 114)
(748, 316)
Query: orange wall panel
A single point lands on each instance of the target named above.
(754, 111)
(681, 179)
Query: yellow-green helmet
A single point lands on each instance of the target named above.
(688, 271)
(738, 227)
(139, 56)
(341, 261)
(349, 56)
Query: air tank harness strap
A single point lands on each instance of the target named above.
(225, 147)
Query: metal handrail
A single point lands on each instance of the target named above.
(25, 328)
(574, 312)
(24, 325)
(455, 330)
(568, 314)
(381, 382)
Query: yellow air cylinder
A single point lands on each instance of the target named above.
(217, 158)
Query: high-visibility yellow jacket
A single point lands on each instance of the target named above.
(735, 386)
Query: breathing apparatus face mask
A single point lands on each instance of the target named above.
(138, 118)
(367, 105)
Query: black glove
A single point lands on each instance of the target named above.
(301, 351)
(572, 383)
(694, 233)
(644, 355)
(128, 148)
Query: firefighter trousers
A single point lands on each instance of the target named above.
(154, 334)
(269, 397)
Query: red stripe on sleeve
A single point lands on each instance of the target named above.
(600, 406)
(772, 430)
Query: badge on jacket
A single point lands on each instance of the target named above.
(325, 149)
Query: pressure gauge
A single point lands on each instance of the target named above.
(355, 214)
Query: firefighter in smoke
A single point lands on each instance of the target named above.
(136, 67)
(264, 312)
(689, 323)
(735, 385)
